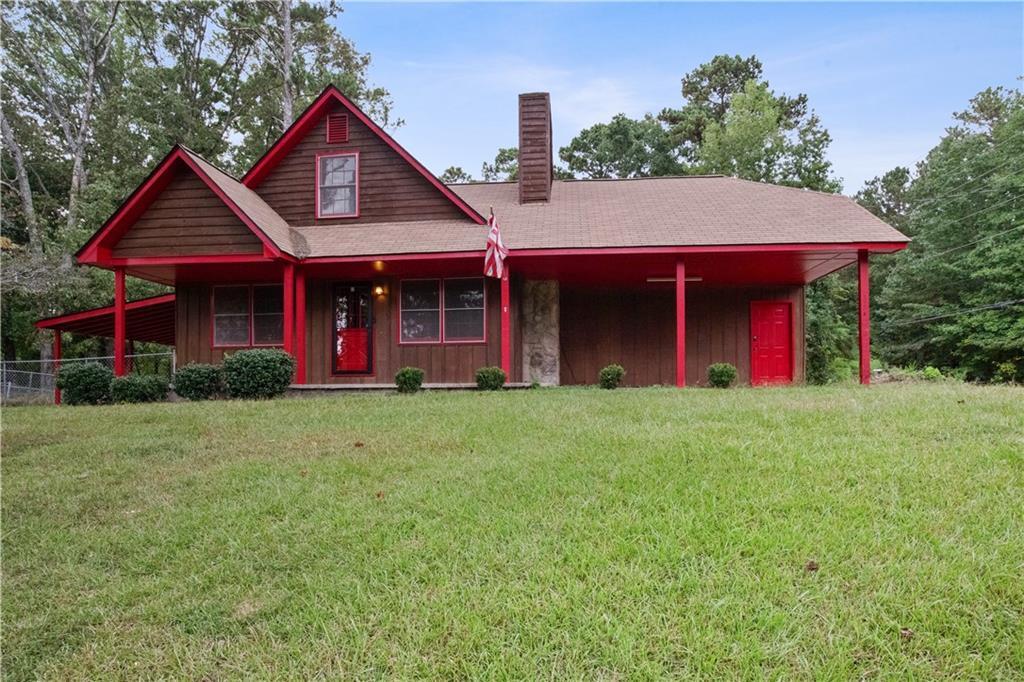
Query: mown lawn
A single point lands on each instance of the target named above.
(567, 533)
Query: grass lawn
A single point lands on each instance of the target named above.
(565, 533)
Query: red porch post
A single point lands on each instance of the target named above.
(680, 324)
(289, 307)
(864, 316)
(506, 325)
(300, 326)
(56, 365)
(120, 333)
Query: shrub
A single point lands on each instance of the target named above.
(409, 379)
(1006, 372)
(930, 373)
(490, 378)
(196, 381)
(138, 388)
(258, 374)
(721, 374)
(611, 376)
(84, 383)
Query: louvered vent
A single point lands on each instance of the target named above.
(337, 128)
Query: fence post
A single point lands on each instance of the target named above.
(56, 365)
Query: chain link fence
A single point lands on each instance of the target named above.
(33, 381)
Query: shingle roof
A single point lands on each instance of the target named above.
(682, 211)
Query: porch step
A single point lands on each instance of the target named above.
(307, 388)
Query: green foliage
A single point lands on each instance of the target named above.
(622, 148)
(505, 167)
(409, 379)
(84, 383)
(259, 373)
(455, 174)
(197, 381)
(138, 388)
(829, 337)
(1007, 372)
(611, 376)
(721, 374)
(930, 373)
(490, 378)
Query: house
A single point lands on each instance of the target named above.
(343, 249)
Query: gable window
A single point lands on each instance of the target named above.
(337, 185)
(436, 311)
(248, 315)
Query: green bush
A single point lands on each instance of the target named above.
(138, 388)
(196, 381)
(490, 378)
(721, 374)
(611, 376)
(409, 379)
(1006, 372)
(930, 373)
(258, 374)
(84, 383)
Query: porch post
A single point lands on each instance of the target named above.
(289, 307)
(864, 316)
(506, 331)
(119, 322)
(300, 326)
(56, 365)
(680, 324)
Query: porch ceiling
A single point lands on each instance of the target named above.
(149, 319)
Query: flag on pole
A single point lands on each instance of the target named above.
(494, 260)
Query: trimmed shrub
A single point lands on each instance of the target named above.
(84, 383)
(258, 374)
(138, 388)
(196, 381)
(611, 376)
(409, 379)
(721, 374)
(930, 373)
(490, 378)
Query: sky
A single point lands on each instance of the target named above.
(884, 78)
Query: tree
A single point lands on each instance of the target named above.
(622, 148)
(505, 167)
(455, 174)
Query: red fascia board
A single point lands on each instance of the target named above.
(56, 322)
(722, 248)
(183, 260)
(311, 115)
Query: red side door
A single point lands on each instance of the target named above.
(771, 343)
(353, 329)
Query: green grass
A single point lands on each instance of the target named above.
(566, 533)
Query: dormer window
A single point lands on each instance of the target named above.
(337, 185)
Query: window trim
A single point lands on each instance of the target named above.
(213, 316)
(323, 155)
(442, 336)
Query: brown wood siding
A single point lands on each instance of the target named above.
(535, 156)
(389, 188)
(187, 219)
(636, 328)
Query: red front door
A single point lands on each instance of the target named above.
(353, 329)
(771, 349)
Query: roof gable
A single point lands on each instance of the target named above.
(330, 100)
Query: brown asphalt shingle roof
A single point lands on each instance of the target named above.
(683, 211)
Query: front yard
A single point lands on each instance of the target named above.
(531, 534)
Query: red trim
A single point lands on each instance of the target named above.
(506, 325)
(251, 342)
(322, 155)
(119, 322)
(789, 330)
(289, 309)
(680, 324)
(721, 248)
(311, 115)
(61, 320)
(443, 337)
(444, 309)
(332, 335)
(56, 366)
(300, 326)
(338, 124)
(864, 316)
(182, 260)
(440, 255)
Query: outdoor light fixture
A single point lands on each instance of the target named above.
(672, 279)
(378, 265)
(378, 291)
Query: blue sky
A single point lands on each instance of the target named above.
(885, 78)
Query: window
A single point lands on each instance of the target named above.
(434, 310)
(337, 191)
(248, 315)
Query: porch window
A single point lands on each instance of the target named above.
(435, 310)
(337, 191)
(248, 315)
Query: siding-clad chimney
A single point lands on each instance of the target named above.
(535, 161)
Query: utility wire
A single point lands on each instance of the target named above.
(957, 313)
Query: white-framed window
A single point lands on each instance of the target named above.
(442, 310)
(248, 315)
(337, 185)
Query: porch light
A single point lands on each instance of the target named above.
(378, 291)
(378, 265)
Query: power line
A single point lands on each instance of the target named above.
(957, 313)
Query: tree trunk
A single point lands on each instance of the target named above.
(35, 239)
(287, 50)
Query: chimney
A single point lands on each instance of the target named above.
(535, 161)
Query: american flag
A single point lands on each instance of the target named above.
(494, 261)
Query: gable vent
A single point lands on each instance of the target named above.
(337, 128)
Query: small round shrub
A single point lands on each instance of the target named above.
(138, 388)
(930, 373)
(611, 376)
(409, 379)
(258, 374)
(721, 374)
(84, 383)
(490, 378)
(1006, 372)
(197, 381)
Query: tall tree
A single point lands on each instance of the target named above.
(622, 148)
(505, 167)
(455, 174)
